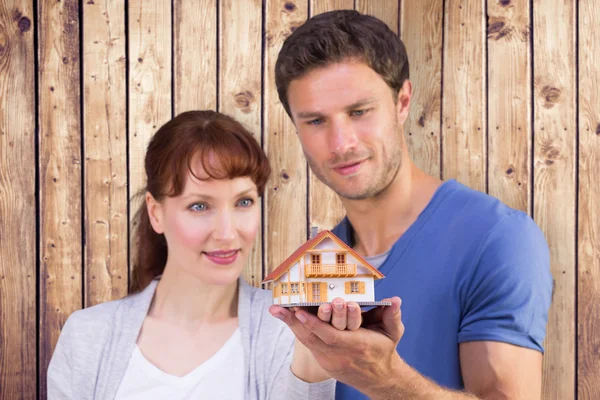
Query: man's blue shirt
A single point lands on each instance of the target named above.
(469, 268)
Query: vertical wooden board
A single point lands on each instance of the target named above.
(325, 208)
(554, 180)
(509, 106)
(422, 36)
(149, 82)
(588, 295)
(387, 11)
(60, 173)
(464, 100)
(17, 201)
(321, 6)
(285, 200)
(195, 52)
(105, 151)
(240, 84)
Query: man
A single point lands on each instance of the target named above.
(473, 274)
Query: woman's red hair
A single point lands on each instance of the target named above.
(207, 136)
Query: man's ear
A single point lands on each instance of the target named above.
(155, 213)
(403, 102)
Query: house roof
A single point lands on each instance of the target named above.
(283, 267)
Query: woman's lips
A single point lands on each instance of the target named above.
(222, 257)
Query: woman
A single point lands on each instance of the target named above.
(192, 327)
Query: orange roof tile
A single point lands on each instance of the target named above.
(283, 267)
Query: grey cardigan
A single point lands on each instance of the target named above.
(96, 343)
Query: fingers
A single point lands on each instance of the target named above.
(324, 312)
(354, 316)
(324, 332)
(340, 314)
(296, 322)
(391, 319)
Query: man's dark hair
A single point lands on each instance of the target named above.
(337, 36)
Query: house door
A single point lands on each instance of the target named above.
(317, 292)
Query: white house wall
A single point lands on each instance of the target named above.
(339, 288)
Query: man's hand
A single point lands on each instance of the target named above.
(364, 357)
(340, 314)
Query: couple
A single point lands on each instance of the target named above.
(473, 274)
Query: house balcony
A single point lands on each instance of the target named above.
(330, 270)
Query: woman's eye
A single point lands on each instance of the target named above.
(198, 207)
(246, 202)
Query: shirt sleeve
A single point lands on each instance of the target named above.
(59, 375)
(284, 384)
(508, 293)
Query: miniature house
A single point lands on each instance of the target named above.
(322, 269)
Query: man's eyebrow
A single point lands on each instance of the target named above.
(357, 104)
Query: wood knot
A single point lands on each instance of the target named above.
(551, 96)
(24, 24)
(285, 176)
(65, 60)
(504, 3)
(290, 6)
(497, 29)
(598, 130)
(510, 170)
(91, 2)
(243, 101)
(550, 152)
(422, 121)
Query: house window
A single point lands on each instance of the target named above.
(340, 258)
(355, 287)
(316, 258)
(294, 288)
(284, 288)
(316, 292)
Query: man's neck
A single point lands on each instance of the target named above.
(379, 222)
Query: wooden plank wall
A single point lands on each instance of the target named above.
(506, 100)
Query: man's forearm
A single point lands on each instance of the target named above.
(406, 383)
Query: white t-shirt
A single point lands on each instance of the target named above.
(219, 377)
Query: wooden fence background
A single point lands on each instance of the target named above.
(507, 101)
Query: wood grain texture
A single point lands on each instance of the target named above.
(149, 82)
(422, 35)
(321, 6)
(387, 11)
(17, 201)
(325, 208)
(105, 151)
(509, 97)
(240, 85)
(588, 296)
(464, 101)
(60, 173)
(285, 200)
(195, 64)
(554, 180)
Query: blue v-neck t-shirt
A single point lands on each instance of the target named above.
(468, 269)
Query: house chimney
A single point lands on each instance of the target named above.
(314, 231)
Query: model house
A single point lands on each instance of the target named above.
(322, 269)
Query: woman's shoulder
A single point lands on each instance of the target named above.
(95, 319)
(104, 317)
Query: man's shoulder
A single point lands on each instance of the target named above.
(481, 213)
